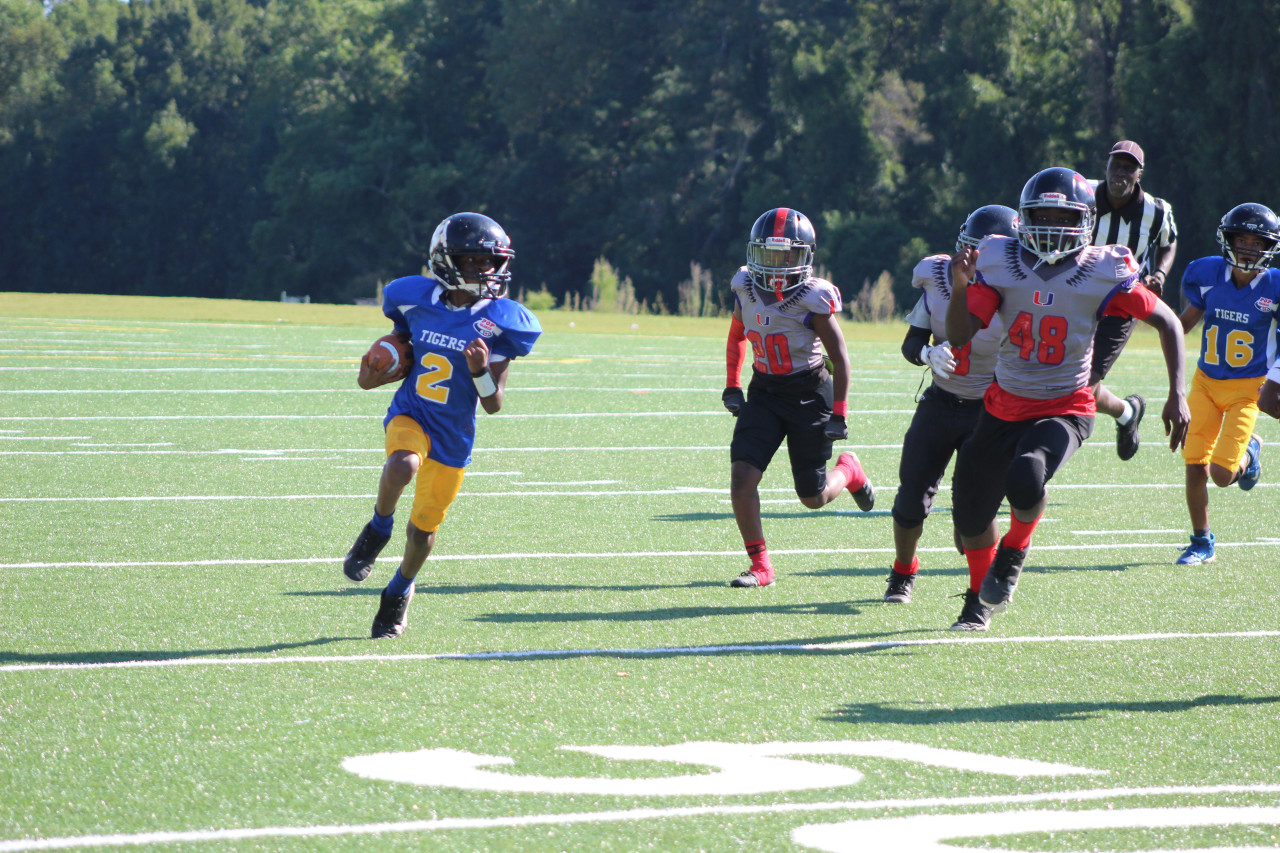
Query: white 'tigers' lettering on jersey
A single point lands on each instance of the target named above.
(781, 333)
(1050, 313)
(976, 360)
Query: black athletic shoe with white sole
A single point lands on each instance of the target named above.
(1002, 578)
(1127, 439)
(975, 616)
(393, 616)
(899, 589)
(359, 560)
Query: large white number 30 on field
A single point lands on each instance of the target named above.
(741, 768)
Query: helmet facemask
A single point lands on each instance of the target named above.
(1052, 243)
(779, 264)
(454, 273)
(1248, 260)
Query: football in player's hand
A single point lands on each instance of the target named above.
(388, 360)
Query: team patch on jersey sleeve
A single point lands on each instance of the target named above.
(1127, 267)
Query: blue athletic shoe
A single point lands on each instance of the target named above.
(1199, 551)
(1253, 470)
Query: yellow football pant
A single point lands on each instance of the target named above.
(437, 484)
(1223, 412)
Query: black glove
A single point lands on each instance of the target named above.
(733, 400)
(836, 429)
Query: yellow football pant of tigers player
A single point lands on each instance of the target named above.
(437, 484)
(1223, 412)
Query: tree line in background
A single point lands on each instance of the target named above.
(241, 148)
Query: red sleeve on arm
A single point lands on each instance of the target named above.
(982, 301)
(1137, 302)
(735, 354)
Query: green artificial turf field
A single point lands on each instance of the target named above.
(183, 665)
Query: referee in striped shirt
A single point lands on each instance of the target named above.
(1128, 216)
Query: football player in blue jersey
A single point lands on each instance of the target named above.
(464, 333)
(1236, 295)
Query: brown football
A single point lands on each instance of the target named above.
(388, 360)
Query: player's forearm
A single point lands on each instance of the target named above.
(1171, 341)
(960, 323)
(916, 339)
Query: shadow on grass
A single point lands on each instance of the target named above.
(663, 614)
(121, 656)
(800, 512)
(922, 714)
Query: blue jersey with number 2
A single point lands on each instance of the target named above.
(439, 393)
(1239, 323)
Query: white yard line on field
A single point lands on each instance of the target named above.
(618, 816)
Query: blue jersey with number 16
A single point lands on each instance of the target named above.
(439, 393)
(1239, 339)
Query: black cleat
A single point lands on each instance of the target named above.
(865, 497)
(1127, 438)
(393, 616)
(899, 591)
(1002, 578)
(975, 616)
(752, 577)
(359, 560)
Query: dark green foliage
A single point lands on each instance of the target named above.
(237, 148)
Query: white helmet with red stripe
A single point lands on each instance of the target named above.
(780, 252)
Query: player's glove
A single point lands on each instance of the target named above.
(939, 358)
(733, 400)
(836, 429)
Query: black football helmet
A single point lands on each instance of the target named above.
(1061, 189)
(985, 221)
(780, 252)
(471, 234)
(1249, 219)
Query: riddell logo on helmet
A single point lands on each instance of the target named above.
(486, 327)
(1053, 196)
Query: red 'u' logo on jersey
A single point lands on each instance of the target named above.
(1042, 298)
(762, 321)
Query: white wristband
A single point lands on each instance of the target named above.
(924, 354)
(485, 384)
(1274, 373)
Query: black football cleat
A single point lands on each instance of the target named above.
(1127, 439)
(899, 589)
(752, 577)
(359, 560)
(393, 616)
(1002, 578)
(975, 616)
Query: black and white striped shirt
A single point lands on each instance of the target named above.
(1143, 222)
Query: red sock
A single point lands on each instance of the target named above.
(759, 554)
(902, 569)
(1019, 535)
(855, 477)
(979, 560)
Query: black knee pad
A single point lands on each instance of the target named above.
(1024, 484)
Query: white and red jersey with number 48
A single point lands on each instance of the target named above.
(1050, 312)
(781, 332)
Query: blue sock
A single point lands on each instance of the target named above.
(382, 524)
(398, 586)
